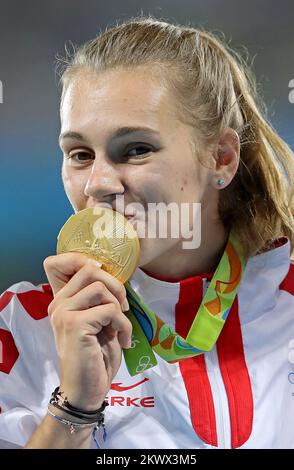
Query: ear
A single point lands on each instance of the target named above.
(227, 157)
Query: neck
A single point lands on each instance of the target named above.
(179, 263)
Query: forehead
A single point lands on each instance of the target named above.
(119, 97)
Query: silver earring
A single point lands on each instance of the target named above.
(220, 182)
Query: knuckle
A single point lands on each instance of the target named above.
(88, 269)
(69, 323)
(121, 293)
(129, 326)
(104, 321)
(99, 286)
(119, 315)
(55, 320)
(56, 313)
(117, 308)
(51, 308)
(54, 305)
(64, 322)
(114, 309)
(48, 262)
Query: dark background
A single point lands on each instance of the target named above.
(33, 204)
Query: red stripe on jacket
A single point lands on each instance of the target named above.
(193, 369)
(236, 378)
(232, 366)
(288, 283)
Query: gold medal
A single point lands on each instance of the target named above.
(104, 235)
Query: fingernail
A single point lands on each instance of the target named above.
(95, 263)
(125, 306)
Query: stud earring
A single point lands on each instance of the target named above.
(220, 182)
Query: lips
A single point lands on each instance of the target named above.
(132, 220)
(129, 213)
(129, 217)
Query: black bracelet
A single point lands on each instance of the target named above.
(77, 412)
(86, 419)
(73, 408)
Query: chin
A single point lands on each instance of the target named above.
(144, 259)
(150, 250)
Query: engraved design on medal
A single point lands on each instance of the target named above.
(104, 235)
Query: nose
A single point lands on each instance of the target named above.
(104, 180)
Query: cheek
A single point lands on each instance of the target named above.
(192, 185)
(179, 182)
(145, 187)
(74, 185)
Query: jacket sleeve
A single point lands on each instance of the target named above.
(22, 404)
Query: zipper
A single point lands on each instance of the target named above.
(220, 400)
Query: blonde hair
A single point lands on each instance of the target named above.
(215, 89)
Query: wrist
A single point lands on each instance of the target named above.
(75, 418)
(79, 402)
(59, 398)
(64, 414)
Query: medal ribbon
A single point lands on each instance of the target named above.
(151, 334)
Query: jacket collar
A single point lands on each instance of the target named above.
(263, 275)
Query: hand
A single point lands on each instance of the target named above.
(89, 326)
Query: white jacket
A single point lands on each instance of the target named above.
(241, 394)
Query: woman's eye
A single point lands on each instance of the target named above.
(81, 157)
(138, 152)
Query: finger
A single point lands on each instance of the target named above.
(91, 296)
(88, 274)
(60, 268)
(93, 320)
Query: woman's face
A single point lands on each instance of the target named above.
(106, 161)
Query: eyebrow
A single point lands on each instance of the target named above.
(119, 132)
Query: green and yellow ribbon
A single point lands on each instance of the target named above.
(151, 335)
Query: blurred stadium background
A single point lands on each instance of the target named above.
(33, 204)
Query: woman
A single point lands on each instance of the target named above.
(158, 113)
